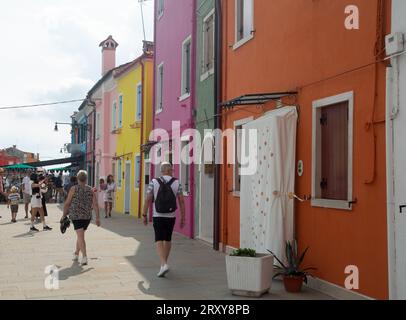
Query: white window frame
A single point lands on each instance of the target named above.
(98, 124)
(160, 10)
(137, 186)
(120, 125)
(136, 102)
(183, 94)
(207, 73)
(238, 43)
(159, 88)
(237, 123)
(185, 193)
(316, 152)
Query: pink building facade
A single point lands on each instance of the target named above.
(103, 118)
(174, 73)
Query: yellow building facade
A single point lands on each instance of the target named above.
(135, 94)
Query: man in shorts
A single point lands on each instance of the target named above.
(164, 222)
(27, 192)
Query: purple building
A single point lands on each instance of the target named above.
(174, 90)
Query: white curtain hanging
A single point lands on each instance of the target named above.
(266, 211)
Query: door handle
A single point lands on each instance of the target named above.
(401, 208)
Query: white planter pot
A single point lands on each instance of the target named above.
(250, 277)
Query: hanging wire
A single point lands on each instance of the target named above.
(41, 104)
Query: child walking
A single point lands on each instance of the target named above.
(13, 200)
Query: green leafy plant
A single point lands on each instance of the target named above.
(244, 253)
(294, 261)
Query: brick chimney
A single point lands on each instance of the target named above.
(148, 47)
(109, 47)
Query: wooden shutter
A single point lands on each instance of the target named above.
(334, 152)
(139, 102)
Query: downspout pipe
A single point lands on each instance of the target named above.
(141, 187)
(392, 110)
(217, 111)
(93, 147)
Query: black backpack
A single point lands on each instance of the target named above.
(165, 201)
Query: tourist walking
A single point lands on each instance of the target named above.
(13, 200)
(58, 188)
(109, 196)
(27, 192)
(79, 204)
(36, 203)
(2, 194)
(73, 182)
(163, 193)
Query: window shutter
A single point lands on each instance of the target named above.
(120, 112)
(334, 152)
(139, 102)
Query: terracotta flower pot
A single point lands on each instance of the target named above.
(293, 284)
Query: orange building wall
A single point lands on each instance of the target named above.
(297, 43)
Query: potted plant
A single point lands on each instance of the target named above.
(249, 274)
(293, 275)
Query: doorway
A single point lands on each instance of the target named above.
(127, 192)
(206, 201)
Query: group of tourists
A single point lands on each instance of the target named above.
(164, 194)
(34, 187)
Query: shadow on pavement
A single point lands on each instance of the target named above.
(28, 234)
(196, 269)
(74, 270)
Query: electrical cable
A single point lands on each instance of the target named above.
(41, 104)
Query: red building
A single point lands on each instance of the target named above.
(6, 160)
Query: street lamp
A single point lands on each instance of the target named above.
(56, 125)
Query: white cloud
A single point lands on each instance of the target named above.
(49, 52)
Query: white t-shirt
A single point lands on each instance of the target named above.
(154, 187)
(27, 185)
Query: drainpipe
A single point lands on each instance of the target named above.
(93, 147)
(141, 137)
(192, 119)
(392, 110)
(217, 110)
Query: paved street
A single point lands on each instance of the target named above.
(122, 264)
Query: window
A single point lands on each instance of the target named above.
(113, 117)
(98, 123)
(119, 173)
(208, 46)
(332, 152)
(186, 68)
(238, 129)
(137, 171)
(120, 111)
(139, 103)
(185, 166)
(159, 88)
(160, 9)
(244, 18)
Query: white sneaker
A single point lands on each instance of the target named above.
(84, 261)
(164, 270)
(75, 257)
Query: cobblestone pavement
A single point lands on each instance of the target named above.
(122, 264)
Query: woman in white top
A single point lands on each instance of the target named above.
(109, 195)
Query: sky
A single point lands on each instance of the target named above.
(50, 52)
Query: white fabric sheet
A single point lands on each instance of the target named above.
(267, 219)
